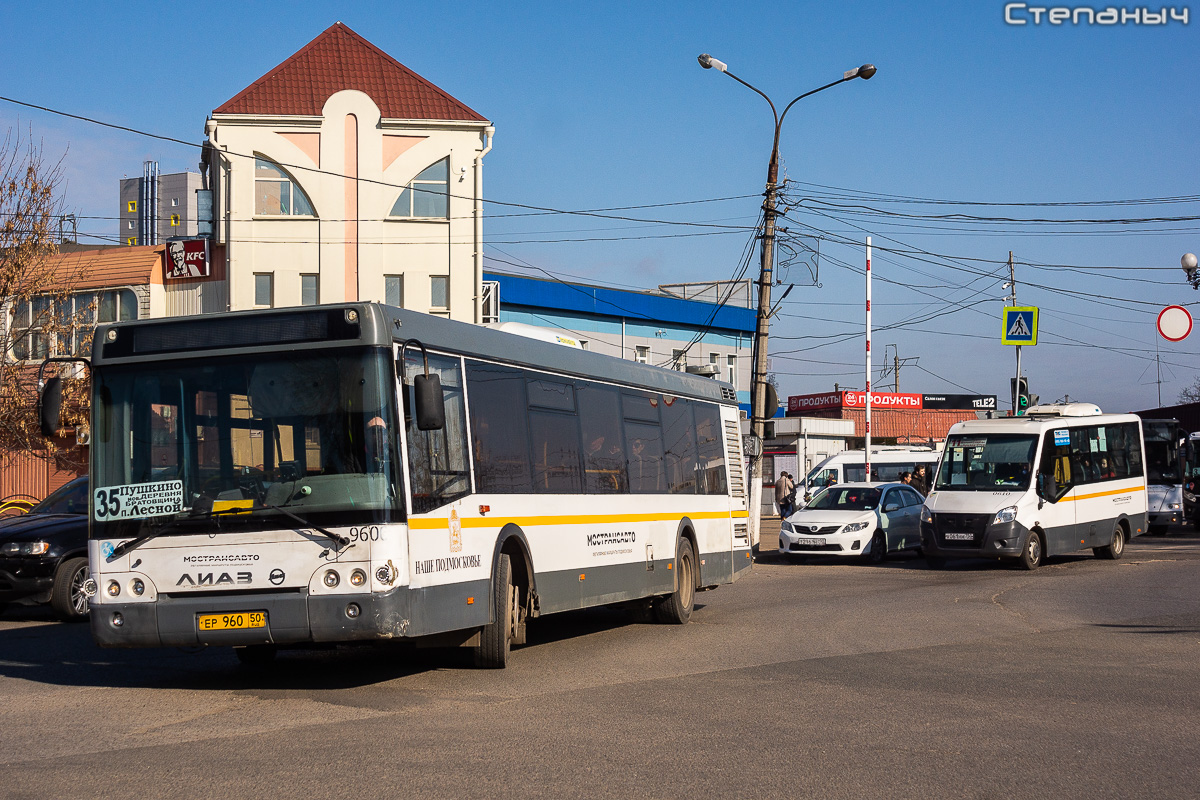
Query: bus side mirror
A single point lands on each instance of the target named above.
(49, 406)
(430, 404)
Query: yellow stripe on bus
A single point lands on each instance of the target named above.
(1104, 494)
(441, 523)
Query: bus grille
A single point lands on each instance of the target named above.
(737, 469)
(974, 524)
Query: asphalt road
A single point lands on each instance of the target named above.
(827, 679)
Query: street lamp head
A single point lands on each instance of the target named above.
(1188, 262)
(708, 62)
(865, 72)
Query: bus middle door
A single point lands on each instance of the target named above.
(1056, 488)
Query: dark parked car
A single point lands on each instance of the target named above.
(43, 554)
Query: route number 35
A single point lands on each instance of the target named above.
(108, 503)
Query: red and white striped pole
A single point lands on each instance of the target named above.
(867, 393)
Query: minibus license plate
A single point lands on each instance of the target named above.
(233, 621)
(811, 542)
(960, 537)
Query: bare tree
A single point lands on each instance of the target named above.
(1190, 394)
(35, 292)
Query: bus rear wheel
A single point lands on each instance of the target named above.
(1116, 548)
(496, 638)
(676, 608)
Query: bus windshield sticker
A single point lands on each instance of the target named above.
(1062, 437)
(136, 500)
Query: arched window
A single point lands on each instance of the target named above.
(276, 194)
(427, 195)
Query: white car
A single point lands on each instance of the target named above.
(855, 519)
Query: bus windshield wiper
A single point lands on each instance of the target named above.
(337, 538)
(133, 544)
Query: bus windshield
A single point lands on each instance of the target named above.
(226, 442)
(1162, 453)
(987, 462)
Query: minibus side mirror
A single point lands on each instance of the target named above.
(49, 406)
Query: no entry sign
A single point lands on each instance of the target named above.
(1174, 323)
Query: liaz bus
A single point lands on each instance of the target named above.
(1062, 478)
(1167, 462)
(361, 472)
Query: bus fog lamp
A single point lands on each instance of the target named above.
(352, 610)
(331, 578)
(118, 619)
(137, 587)
(358, 577)
(111, 335)
(114, 588)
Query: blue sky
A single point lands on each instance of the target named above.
(604, 105)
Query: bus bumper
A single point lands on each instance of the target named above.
(991, 541)
(290, 619)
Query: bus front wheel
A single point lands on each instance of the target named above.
(1114, 549)
(1031, 551)
(676, 608)
(496, 638)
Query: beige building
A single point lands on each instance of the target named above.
(342, 175)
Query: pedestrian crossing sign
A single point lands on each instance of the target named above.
(1020, 325)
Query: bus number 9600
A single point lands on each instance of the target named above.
(365, 534)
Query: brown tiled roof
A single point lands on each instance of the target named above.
(906, 425)
(341, 59)
(115, 266)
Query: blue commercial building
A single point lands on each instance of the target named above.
(681, 326)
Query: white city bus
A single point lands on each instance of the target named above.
(360, 472)
(1059, 479)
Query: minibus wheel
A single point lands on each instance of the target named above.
(1031, 551)
(1116, 548)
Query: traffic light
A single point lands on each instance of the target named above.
(1021, 397)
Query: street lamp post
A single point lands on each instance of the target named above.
(758, 381)
(1188, 262)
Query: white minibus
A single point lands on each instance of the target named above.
(887, 463)
(1060, 479)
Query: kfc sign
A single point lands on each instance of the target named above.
(881, 400)
(186, 258)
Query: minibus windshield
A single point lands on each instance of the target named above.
(987, 462)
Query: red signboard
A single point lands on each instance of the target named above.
(839, 400)
(186, 258)
(881, 400)
(814, 402)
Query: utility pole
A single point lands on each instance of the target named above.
(758, 383)
(897, 363)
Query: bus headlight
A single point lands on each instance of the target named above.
(1174, 506)
(358, 578)
(331, 578)
(1005, 515)
(926, 515)
(114, 588)
(137, 586)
